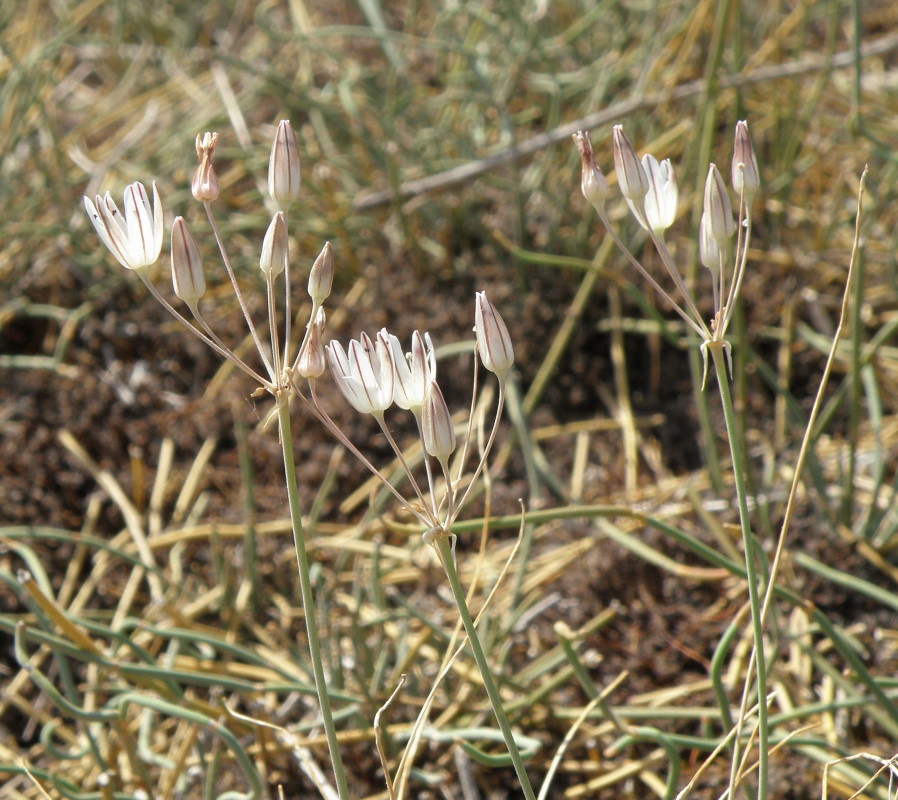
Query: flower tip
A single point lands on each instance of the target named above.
(745, 175)
(283, 166)
(631, 176)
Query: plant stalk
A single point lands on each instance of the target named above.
(752, 555)
(308, 599)
(441, 543)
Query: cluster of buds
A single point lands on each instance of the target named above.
(135, 239)
(650, 190)
(371, 374)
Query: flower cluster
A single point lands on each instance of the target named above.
(372, 374)
(650, 190)
(375, 374)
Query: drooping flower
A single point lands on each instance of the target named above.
(661, 199)
(135, 237)
(412, 371)
(364, 375)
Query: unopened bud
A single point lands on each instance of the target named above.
(493, 340)
(746, 179)
(708, 249)
(717, 208)
(205, 186)
(592, 180)
(436, 424)
(631, 176)
(283, 166)
(186, 264)
(312, 360)
(321, 276)
(274, 247)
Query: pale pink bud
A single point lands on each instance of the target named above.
(274, 247)
(631, 176)
(746, 179)
(321, 276)
(186, 264)
(283, 166)
(592, 180)
(204, 185)
(436, 424)
(717, 207)
(312, 360)
(493, 341)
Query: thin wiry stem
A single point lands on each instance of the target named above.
(325, 419)
(214, 342)
(398, 451)
(272, 322)
(243, 307)
(697, 325)
(486, 450)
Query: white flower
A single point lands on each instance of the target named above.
(661, 198)
(135, 237)
(413, 371)
(364, 375)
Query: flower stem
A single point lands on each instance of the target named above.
(441, 543)
(752, 555)
(308, 600)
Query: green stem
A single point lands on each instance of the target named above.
(308, 600)
(441, 543)
(752, 555)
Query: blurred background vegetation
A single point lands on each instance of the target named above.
(437, 159)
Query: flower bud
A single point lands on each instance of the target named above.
(321, 276)
(436, 424)
(746, 179)
(312, 361)
(186, 264)
(205, 186)
(592, 180)
(274, 247)
(493, 340)
(283, 166)
(631, 176)
(718, 208)
(708, 249)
